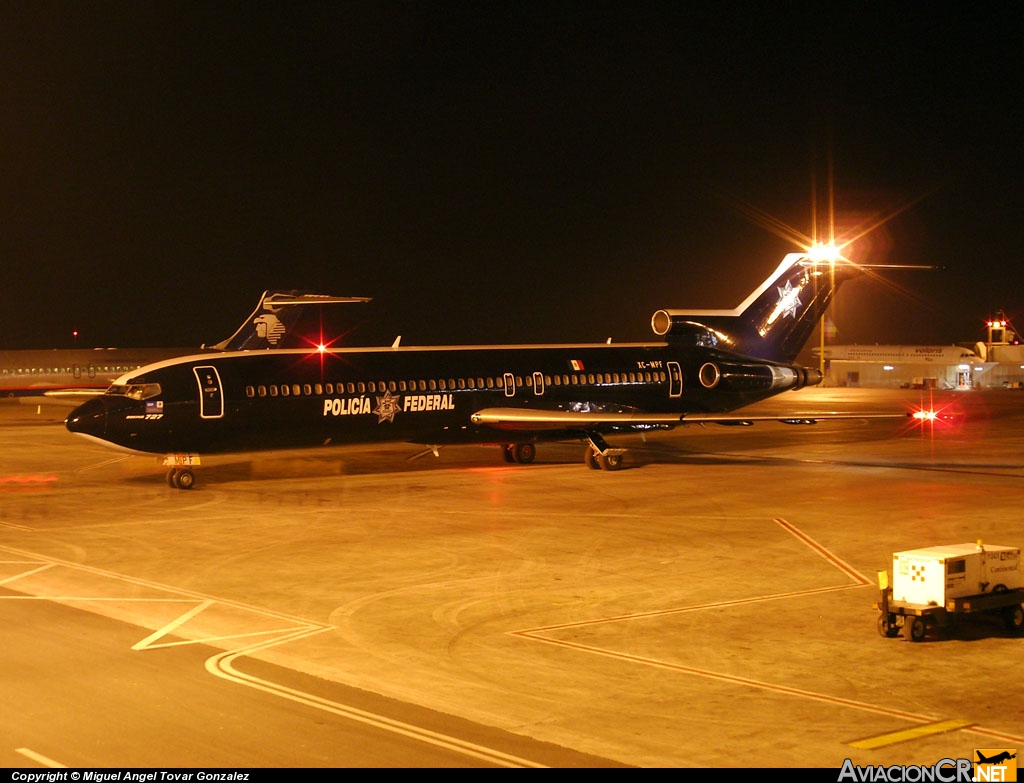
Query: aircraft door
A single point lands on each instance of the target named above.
(675, 379)
(211, 393)
(510, 385)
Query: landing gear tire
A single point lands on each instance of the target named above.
(524, 453)
(915, 629)
(1013, 617)
(590, 459)
(886, 627)
(181, 478)
(609, 461)
(520, 453)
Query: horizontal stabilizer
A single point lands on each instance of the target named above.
(280, 319)
(776, 319)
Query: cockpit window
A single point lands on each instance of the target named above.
(135, 391)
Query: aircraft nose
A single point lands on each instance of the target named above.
(89, 418)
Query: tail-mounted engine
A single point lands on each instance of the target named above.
(683, 329)
(733, 376)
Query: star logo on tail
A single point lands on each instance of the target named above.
(789, 300)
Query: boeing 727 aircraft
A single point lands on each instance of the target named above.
(707, 365)
(71, 376)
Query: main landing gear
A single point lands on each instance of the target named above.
(600, 456)
(520, 453)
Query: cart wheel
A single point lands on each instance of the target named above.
(886, 627)
(916, 628)
(1013, 616)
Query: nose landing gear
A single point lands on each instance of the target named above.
(179, 473)
(181, 478)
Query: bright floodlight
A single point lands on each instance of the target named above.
(819, 252)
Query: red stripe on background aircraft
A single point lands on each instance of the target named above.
(707, 365)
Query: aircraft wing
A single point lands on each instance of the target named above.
(71, 397)
(534, 419)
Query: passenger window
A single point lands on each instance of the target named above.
(250, 391)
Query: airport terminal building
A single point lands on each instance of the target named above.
(997, 363)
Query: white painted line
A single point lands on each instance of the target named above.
(538, 634)
(12, 526)
(683, 609)
(171, 626)
(105, 462)
(16, 577)
(39, 758)
(221, 666)
(843, 566)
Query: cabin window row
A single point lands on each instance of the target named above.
(448, 384)
(92, 369)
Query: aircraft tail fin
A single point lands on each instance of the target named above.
(282, 319)
(778, 317)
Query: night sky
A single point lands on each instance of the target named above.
(500, 172)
